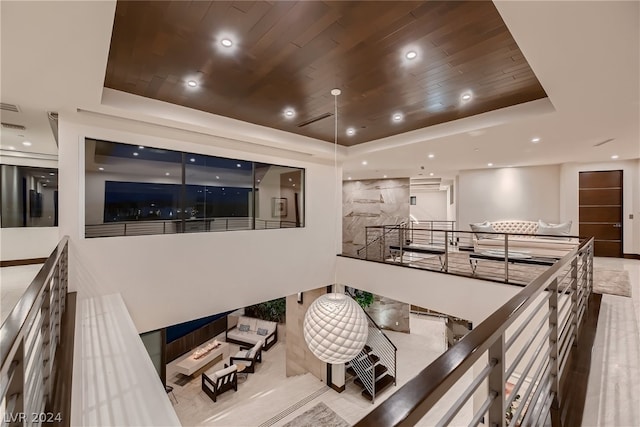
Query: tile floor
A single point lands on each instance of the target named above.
(613, 395)
(13, 282)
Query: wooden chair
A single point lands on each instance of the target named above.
(249, 356)
(221, 381)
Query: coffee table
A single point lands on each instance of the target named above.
(513, 258)
(430, 250)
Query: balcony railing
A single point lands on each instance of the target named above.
(144, 228)
(510, 368)
(506, 257)
(29, 339)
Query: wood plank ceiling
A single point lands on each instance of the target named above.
(289, 55)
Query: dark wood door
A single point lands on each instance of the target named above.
(600, 210)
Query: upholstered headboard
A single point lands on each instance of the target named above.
(515, 226)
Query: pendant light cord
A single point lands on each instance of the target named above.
(335, 93)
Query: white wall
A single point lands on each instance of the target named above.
(27, 242)
(168, 279)
(457, 296)
(630, 194)
(430, 205)
(527, 193)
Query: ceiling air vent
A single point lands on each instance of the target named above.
(314, 119)
(603, 142)
(426, 184)
(13, 126)
(9, 107)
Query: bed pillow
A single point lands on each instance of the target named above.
(562, 229)
(262, 331)
(243, 328)
(479, 227)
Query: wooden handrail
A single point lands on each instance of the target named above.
(414, 399)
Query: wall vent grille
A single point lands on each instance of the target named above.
(9, 107)
(12, 126)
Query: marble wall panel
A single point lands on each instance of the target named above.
(390, 314)
(371, 202)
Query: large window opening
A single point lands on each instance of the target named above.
(137, 190)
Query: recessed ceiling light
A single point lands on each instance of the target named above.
(217, 177)
(364, 163)
(466, 96)
(290, 179)
(289, 113)
(431, 156)
(239, 165)
(167, 174)
(44, 185)
(135, 153)
(430, 173)
(535, 140)
(192, 83)
(52, 174)
(411, 54)
(489, 164)
(397, 117)
(351, 131)
(100, 169)
(141, 147)
(384, 176)
(294, 185)
(349, 178)
(192, 159)
(615, 156)
(11, 147)
(258, 180)
(226, 42)
(41, 176)
(26, 144)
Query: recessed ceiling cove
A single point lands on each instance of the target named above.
(423, 62)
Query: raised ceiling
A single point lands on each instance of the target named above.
(291, 54)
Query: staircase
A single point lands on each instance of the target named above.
(383, 378)
(375, 366)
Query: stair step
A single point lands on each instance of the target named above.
(367, 349)
(372, 357)
(350, 371)
(381, 384)
(380, 370)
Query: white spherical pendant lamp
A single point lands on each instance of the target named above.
(335, 328)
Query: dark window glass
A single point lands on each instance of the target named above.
(279, 196)
(29, 196)
(134, 190)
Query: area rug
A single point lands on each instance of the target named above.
(614, 282)
(319, 415)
